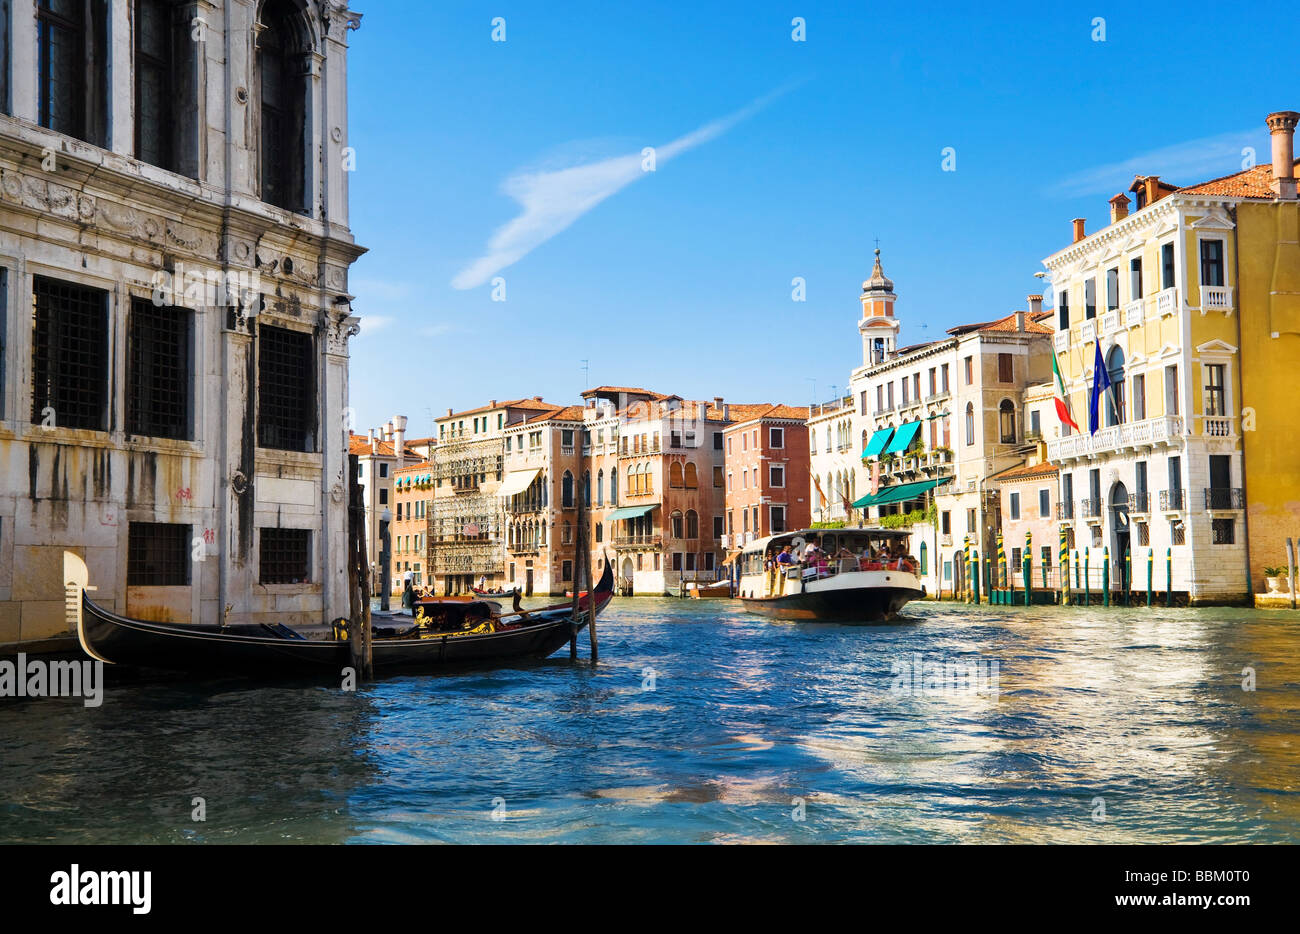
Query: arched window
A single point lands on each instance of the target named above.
(282, 46)
(566, 491)
(600, 487)
(567, 529)
(864, 439)
(970, 423)
(692, 524)
(812, 440)
(1007, 421)
(676, 524)
(923, 555)
(692, 480)
(649, 478)
(586, 488)
(613, 486)
(1115, 414)
(600, 532)
(675, 476)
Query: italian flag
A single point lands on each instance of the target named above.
(1062, 410)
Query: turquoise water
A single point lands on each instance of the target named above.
(703, 724)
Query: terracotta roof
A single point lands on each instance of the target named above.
(737, 411)
(1009, 324)
(1025, 472)
(630, 389)
(416, 466)
(560, 413)
(360, 444)
(536, 404)
(1252, 183)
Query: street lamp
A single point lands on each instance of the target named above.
(385, 559)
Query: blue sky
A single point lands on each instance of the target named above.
(775, 159)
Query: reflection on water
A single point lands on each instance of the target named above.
(755, 731)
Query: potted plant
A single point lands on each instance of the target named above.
(1273, 578)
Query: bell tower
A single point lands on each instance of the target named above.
(879, 327)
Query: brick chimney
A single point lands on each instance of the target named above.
(1152, 184)
(1281, 126)
(1118, 207)
(1078, 228)
(1020, 321)
(370, 439)
(1035, 303)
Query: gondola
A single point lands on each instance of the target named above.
(273, 650)
(491, 594)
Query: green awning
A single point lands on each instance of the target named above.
(903, 437)
(877, 442)
(631, 512)
(900, 493)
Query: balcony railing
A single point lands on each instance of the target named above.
(1089, 330)
(1134, 312)
(637, 541)
(1110, 321)
(1173, 500)
(1139, 503)
(1223, 498)
(1216, 426)
(1091, 507)
(1062, 340)
(1167, 301)
(526, 548)
(1065, 510)
(1216, 298)
(939, 396)
(1146, 433)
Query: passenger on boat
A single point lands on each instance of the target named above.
(784, 561)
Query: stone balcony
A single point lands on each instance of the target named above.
(1216, 298)
(1114, 438)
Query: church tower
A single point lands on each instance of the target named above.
(878, 326)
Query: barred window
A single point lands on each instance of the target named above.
(1144, 534)
(1177, 533)
(286, 556)
(286, 390)
(1224, 531)
(158, 376)
(158, 554)
(69, 355)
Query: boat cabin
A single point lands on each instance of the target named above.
(818, 554)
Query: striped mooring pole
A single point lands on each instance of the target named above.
(1029, 563)
(975, 578)
(1064, 555)
(1151, 566)
(966, 584)
(1128, 576)
(1087, 581)
(1169, 576)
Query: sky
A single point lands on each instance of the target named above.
(625, 193)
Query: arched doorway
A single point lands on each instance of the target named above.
(1120, 544)
(626, 575)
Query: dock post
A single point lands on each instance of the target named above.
(1151, 564)
(1029, 573)
(1087, 579)
(1169, 576)
(1002, 564)
(975, 578)
(1105, 576)
(1290, 569)
(1128, 576)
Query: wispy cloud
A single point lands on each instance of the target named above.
(1180, 164)
(553, 200)
(372, 323)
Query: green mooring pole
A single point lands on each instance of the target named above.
(1087, 580)
(1169, 576)
(1151, 566)
(975, 578)
(1029, 570)
(1105, 576)
(1128, 576)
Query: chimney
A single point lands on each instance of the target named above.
(1020, 321)
(399, 437)
(1152, 186)
(1035, 304)
(370, 439)
(492, 404)
(717, 403)
(1118, 207)
(1078, 228)
(450, 413)
(1281, 126)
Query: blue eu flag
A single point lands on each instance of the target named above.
(1100, 383)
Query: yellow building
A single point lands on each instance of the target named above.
(1194, 299)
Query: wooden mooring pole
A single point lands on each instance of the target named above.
(359, 635)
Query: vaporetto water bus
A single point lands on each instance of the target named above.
(862, 575)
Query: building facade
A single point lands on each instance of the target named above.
(1192, 304)
(766, 473)
(172, 411)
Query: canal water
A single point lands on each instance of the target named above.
(704, 724)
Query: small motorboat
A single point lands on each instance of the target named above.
(447, 634)
(493, 593)
(708, 591)
(842, 575)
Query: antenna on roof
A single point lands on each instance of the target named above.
(586, 375)
(813, 380)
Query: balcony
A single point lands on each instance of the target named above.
(1167, 301)
(1216, 298)
(524, 548)
(1088, 332)
(1139, 503)
(1110, 321)
(1091, 507)
(1130, 435)
(1065, 511)
(1062, 341)
(939, 396)
(1134, 313)
(1217, 426)
(1224, 498)
(1173, 500)
(638, 541)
